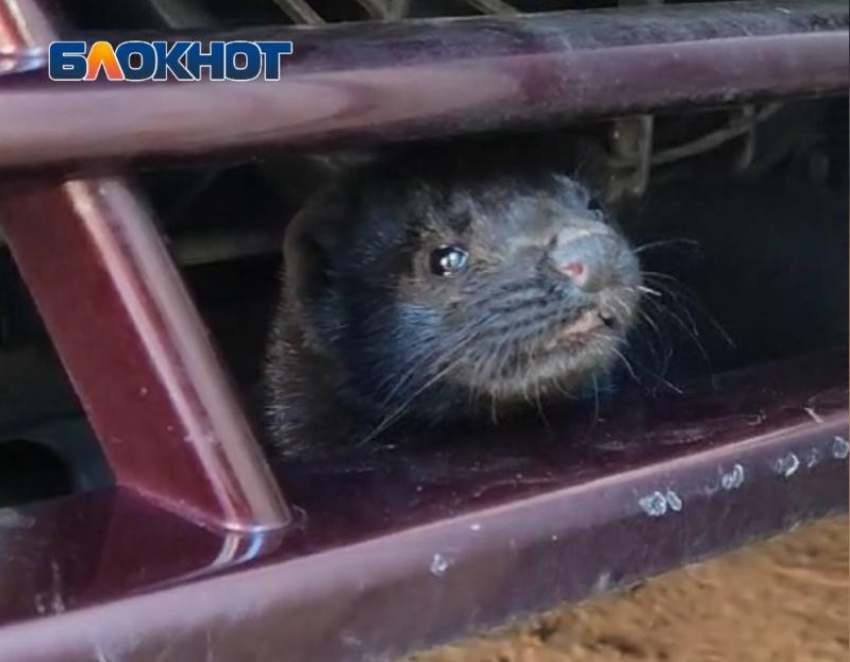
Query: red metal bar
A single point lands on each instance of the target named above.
(427, 78)
(134, 345)
(409, 550)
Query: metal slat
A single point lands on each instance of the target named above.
(402, 550)
(132, 341)
(387, 81)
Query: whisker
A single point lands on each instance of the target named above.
(540, 409)
(665, 351)
(657, 275)
(666, 383)
(595, 399)
(425, 356)
(649, 290)
(681, 293)
(661, 379)
(401, 409)
(404, 406)
(664, 243)
(626, 363)
(678, 296)
(494, 416)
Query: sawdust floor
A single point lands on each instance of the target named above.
(785, 600)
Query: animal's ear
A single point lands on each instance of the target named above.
(316, 234)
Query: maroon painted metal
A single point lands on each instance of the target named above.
(137, 352)
(397, 551)
(133, 344)
(427, 78)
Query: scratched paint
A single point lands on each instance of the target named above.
(52, 602)
(813, 414)
(439, 565)
(654, 505)
(734, 478)
(659, 503)
(787, 465)
(603, 583)
(812, 458)
(674, 501)
(840, 448)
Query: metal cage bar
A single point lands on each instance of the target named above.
(132, 341)
(403, 551)
(388, 80)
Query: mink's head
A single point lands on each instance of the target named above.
(439, 284)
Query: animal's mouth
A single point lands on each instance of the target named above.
(590, 324)
(561, 357)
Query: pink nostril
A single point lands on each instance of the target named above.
(574, 270)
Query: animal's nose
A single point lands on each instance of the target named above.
(587, 256)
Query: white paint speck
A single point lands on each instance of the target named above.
(658, 503)
(783, 10)
(475, 527)
(813, 415)
(603, 583)
(349, 639)
(57, 604)
(143, 391)
(840, 448)
(788, 465)
(674, 501)
(439, 565)
(734, 479)
(812, 458)
(654, 505)
(57, 601)
(554, 537)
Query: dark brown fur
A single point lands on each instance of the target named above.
(368, 339)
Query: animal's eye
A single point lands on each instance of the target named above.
(448, 260)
